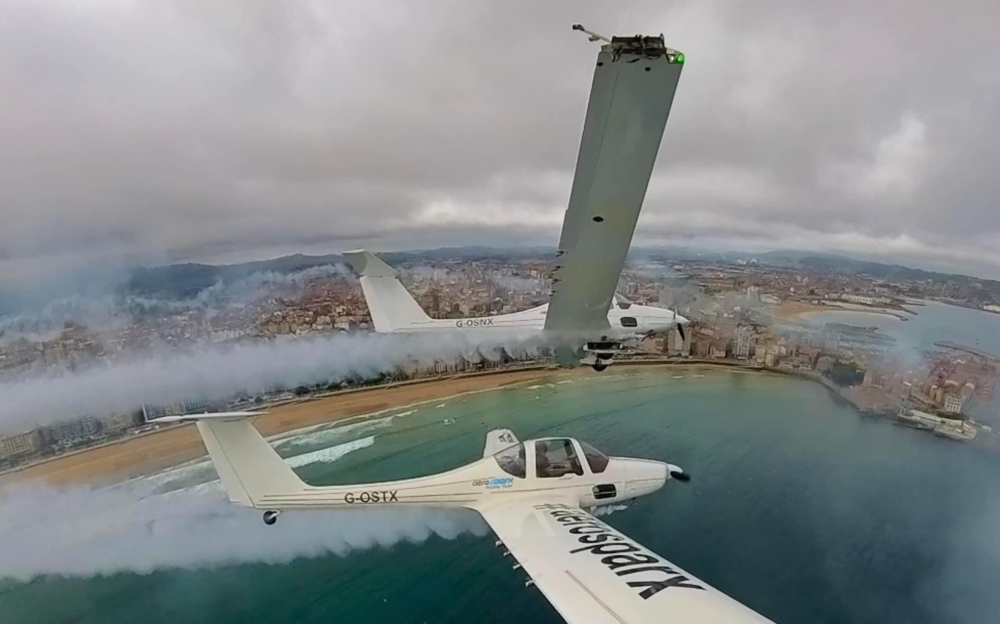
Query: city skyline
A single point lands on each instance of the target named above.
(304, 259)
(162, 358)
(33, 294)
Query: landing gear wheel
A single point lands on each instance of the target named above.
(270, 517)
(599, 366)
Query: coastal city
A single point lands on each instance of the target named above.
(744, 313)
(562, 312)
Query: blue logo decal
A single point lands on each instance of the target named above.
(494, 483)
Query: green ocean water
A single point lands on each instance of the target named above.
(798, 507)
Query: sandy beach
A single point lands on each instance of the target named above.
(157, 450)
(793, 309)
(790, 310)
(148, 453)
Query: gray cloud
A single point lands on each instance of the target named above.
(169, 130)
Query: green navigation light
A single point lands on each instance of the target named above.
(679, 58)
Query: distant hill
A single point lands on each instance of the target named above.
(831, 263)
(796, 258)
(468, 254)
(182, 281)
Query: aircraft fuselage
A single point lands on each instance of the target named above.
(636, 321)
(494, 479)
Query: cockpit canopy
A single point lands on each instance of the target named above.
(551, 458)
(512, 460)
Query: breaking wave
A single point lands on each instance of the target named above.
(326, 436)
(331, 454)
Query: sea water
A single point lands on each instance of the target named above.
(797, 507)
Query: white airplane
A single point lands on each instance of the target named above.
(395, 311)
(535, 496)
(634, 83)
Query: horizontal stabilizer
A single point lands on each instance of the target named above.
(391, 307)
(368, 264)
(207, 416)
(247, 465)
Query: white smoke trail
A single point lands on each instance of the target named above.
(80, 532)
(607, 510)
(517, 283)
(262, 284)
(218, 373)
(150, 523)
(109, 311)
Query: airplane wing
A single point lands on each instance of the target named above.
(633, 88)
(592, 573)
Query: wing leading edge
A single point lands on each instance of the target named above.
(630, 98)
(592, 573)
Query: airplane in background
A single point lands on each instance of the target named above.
(395, 311)
(635, 79)
(535, 496)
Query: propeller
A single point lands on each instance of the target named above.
(680, 328)
(679, 475)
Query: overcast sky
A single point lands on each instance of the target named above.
(157, 130)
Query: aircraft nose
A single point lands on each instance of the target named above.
(646, 476)
(661, 322)
(661, 474)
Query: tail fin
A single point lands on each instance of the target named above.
(247, 465)
(392, 308)
(498, 440)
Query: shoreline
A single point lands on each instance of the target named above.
(157, 450)
(140, 455)
(152, 451)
